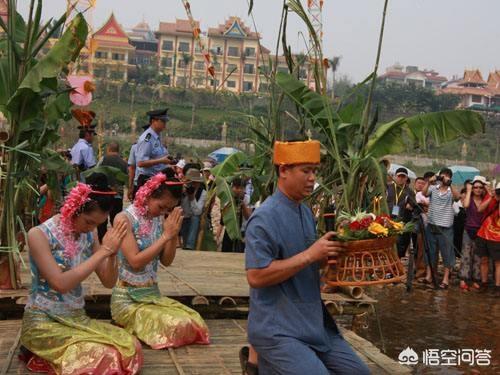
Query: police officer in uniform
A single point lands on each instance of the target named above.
(82, 153)
(150, 155)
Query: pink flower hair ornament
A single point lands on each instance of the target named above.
(145, 192)
(75, 200)
(142, 195)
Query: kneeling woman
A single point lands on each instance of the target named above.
(57, 336)
(136, 303)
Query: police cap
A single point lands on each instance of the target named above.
(158, 114)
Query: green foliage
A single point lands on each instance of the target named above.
(224, 173)
(352, 150)
(33, 103)
(399, 100)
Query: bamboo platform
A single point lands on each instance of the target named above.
(220, 357)
(203, 277)
(193, 273)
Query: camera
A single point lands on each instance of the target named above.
(439, 178)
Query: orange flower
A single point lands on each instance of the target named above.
(396, 225)
(378, 229)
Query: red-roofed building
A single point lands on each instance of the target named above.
(474, 90)
(411, 75)
(494, 87)
(473, 78)
(111, 51)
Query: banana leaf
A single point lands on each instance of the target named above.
(357, 172)
(52, 161)
(230, 166)
(224, 173)
(229, 213)
(442, 127)
(49, 67)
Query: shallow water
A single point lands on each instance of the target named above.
(430, 319)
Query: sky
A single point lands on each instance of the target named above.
(445, 35)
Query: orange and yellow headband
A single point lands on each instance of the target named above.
(291, 153)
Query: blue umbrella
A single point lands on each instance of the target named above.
(222, 153)
(461, 173)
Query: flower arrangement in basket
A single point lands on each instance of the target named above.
(369, 257)
(363, 226)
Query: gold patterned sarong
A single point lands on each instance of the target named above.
(76, 344)
(160, 322)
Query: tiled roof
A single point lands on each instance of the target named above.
(142, 33)
(179, 26)
(494, 80)
(222, 29)
(473, 76)
(431, 75)
(112, 34)
(143, 25)
(434, 77)
(111, 28)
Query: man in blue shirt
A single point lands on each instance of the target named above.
(150, 154)
(82, 153)
(288, 324)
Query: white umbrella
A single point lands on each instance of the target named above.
(394, 167)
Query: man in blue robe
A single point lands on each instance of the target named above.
(288, 324)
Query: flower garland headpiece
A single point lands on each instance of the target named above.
(144, 192)
(75, 200)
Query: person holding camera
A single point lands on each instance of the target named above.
(242, 212)
(439, 231)
(193, 202)
(400, 199)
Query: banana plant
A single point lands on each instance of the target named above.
(34, 99)
(224, 173)
(352, 138)
(358, 172)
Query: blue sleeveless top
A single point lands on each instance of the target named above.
(147, 275)
(42, 296)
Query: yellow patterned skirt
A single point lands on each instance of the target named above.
(76, 344)
(160, 322)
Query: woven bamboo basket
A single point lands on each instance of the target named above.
(366, 262)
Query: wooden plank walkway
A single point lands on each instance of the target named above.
(192, 274)
(187, 276)
(220, 357)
